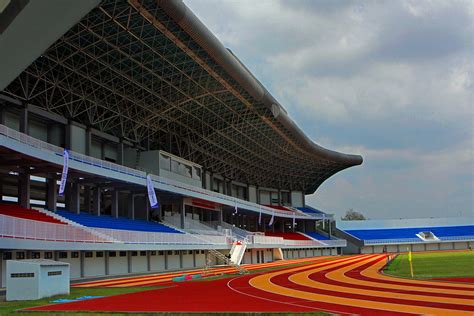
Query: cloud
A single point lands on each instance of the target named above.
(391, 80)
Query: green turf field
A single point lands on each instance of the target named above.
(434, 265)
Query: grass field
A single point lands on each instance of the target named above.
(434, 265)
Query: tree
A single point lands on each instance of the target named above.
(352, 215)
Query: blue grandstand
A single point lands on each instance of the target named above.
(402, 233)
(310, 210)
(317, 236)
(121, 223)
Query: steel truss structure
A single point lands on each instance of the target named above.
(130, 70)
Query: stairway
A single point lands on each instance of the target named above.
(227, 261)
(237, 251)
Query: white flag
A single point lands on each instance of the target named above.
(62, 184)
(151, 192)
(294, 220)
(260, 215)
(235, 207)
(271, 219)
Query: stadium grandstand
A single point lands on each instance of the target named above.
(132, 140)
(401, 235)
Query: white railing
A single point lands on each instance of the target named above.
(239, 232)
(14, 227)
(334, 242)
(308, 243)
(269, 240)
(140, 237)
(230, 201)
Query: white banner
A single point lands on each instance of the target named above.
(235, 208)
(294, 219)
(260, 215)
(62, 184)
(151, 192)
(271, 219)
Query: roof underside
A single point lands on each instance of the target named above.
(130, 70)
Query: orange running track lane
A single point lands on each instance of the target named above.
(346, 285)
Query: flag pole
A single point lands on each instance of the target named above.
(410, 259)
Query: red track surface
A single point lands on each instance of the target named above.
(346, 285)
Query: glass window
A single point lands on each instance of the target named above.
(62, 255)
(197, 173)
(112, 254)
(99, 254)
(75, 254)
(35, 255)
(48, 255)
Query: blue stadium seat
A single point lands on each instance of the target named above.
(105, 221)
(309, 210)
(317, 236)
(398, 233)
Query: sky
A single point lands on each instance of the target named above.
(389, 80)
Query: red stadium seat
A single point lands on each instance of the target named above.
(31, 214)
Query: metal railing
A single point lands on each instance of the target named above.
(140, 237)
(14, 227)
(74, 156)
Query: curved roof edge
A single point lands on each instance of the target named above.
(185, 18)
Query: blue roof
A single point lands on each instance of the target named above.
(397, 233)
(105, 221)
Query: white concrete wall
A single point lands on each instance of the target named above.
(297, 198)
(264, 197)
(94, 266)
(417, 247)
(188, 260)
(200, 259)
(252, 194)
(74, 265)
(446, 246)
(157, 262)
(431, 247)
(173, 262)
(139, 263)
(392, 248)
(118, 265)
(460, 245)
(78, 139)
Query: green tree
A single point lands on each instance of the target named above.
(352, 215)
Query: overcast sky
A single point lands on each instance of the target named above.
(390, 80)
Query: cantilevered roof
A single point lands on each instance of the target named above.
(148, 71)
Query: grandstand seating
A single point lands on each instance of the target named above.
(317, 236)
(31, 214)
(121, 223)
(309, 210)
(290, 236)
(400, 233)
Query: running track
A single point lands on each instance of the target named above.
(347, 285)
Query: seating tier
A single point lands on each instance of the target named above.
(26, 213)
(105, 221)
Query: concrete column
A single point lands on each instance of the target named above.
(329, 228)
(148, 261)
(24, 189)
(106, 262)
(68, 136)
(181, 259)
(114, 207)
(166, 259)
(2, 116)
(81, 262)
(194, 258)
(131, 206)
(24, 120)
(120, 152)
(52, 194)
(88, 141)
(75, 199)
(96, 195)
(183, 213)
(129, 262)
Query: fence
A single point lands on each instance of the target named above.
(14, 227)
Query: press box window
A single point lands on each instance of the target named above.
(48, 255)
(112, 254)
(35, 255)
(62, 255)
(143, 253)
(20, 255)
(22, 275)
(88, 254)
(99, 254)
(123, 253)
